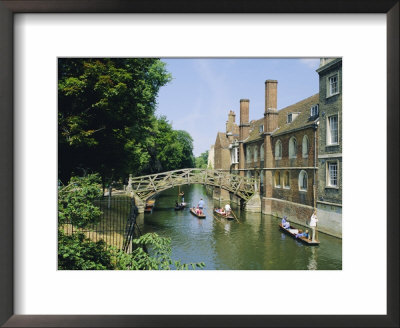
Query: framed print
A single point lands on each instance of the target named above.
(38, 40)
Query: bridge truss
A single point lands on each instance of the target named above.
(144, 187)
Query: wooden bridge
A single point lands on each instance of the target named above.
(144, 187)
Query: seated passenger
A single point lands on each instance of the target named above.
(302, 234)
(284, 220)
(286, 225)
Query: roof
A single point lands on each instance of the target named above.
(302, 120)
(254, 132)
(223, 140)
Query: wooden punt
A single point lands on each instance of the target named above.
(200, 216)
(292, 232)
(180, 206)
(229, 217)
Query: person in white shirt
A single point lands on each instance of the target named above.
(313, 224)
(227, 209)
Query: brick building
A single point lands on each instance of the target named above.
(283, 150)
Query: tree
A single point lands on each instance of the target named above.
(202, 160)
(77, 252)
(105, 107)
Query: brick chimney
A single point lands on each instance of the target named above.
(231, 122)
(271, 104)
(244, 129)
(244, 126)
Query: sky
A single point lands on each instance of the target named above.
(203, 91)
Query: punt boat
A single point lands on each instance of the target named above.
(200, 216)
(293, 232)
(222, 215)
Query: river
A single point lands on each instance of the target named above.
(253, 243)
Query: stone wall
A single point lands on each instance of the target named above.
(328, 222)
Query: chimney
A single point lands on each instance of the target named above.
(231, 122)
(271, 89)
(244, 126)
(271, 104)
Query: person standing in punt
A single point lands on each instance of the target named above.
(313, 224)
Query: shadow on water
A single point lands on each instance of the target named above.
(253, 243)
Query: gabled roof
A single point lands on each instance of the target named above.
(302, 120)
(222, 139)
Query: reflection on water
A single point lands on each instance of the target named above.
(253, 243)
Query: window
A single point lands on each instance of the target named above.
(303, 181)
(235, 155)
(248, 154)
(262, 153)
(261, 128)
(304, 147)
(292, 147)
(332, 130)
(286, 180)
(278, 150)
(255, 154)
(277, 179)
(333, 85)
(314, 110)
(289, 118)
(332, 180)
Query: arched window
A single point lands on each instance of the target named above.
(304, 147)
(262, 153)
(255, 153)
(278, 149)
(303, 180)
(292, 147)
(248, 154)
(277, 179)
(286, 181)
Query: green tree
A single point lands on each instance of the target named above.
(105, 108)
(77, 252)
(202, 160)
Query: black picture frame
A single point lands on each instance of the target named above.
(10, 7)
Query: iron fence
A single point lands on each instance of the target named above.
(117, 225)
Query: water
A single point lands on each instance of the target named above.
(253, 243)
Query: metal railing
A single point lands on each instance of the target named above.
(117, 225)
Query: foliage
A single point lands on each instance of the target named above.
(76, 252)
(202, 160)
(157, 258)
(79, 253)
(75, 201)
(104, 107)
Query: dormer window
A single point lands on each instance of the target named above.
(261, 128)
(292, 116)
(314, 110)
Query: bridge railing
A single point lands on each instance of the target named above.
(148, 185)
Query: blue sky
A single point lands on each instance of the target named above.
(203, 91)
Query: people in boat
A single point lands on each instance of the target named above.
(283, 220)
(221, 211)
(302, 234)
(286, 225)
(313, 224)
(176, 204)
(227, 209)
(182, 194)
(201, 203)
